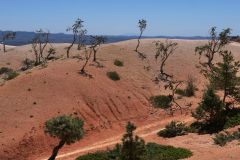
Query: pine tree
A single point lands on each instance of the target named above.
(210, 111)
(133, 147)
(66, 128)
(224, 78)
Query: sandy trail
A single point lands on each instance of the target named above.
(143, 132)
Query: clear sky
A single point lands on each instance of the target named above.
(120, 17)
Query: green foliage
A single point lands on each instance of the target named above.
(5, 70)
(232, 118)
(66, 128)
(180, 92)
(215, 45)
(8, 73)
(190, 89)
(161, 101)
(113, 76)
(173, 129)
(132, 146)
(11, 75)
(223, 138)
(153, 152)
(27, 64)
(94, 156)
(210, 111)
(142, 24)
(162, 152)
(118, 63)
(224, 76)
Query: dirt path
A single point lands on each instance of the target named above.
(143, 132)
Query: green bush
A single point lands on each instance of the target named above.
(161, 101)
(173, 129)
(162, 152)
(118, 63)
(94, 156)
(27, 64)
(180, 92)
(5, 70)
(232, 118)
(113, 76)
(11, 75)
(8, 72)
(221, 139)
(154, 152)
(190, 89)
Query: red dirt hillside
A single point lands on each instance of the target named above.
(39, 94)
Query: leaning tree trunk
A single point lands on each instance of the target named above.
(56, 149)
(4, 48)
(68, 49)
(138, 41)
(94, 55)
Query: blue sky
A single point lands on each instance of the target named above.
(117, 17)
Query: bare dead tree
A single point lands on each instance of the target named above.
(215, 45)
(82, 38)
(88, 55)
(163, 52)
(39, 43)
(51, 52)
(142, 24)
(96, 41)
(76, 29)
(7, 36)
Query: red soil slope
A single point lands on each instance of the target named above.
(42, 93)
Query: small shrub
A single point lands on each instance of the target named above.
(180, 92)
(8, 73)
(118, 63)
(94, 156)
(222, 139)
(113, 76)
(162, 152)
(161, 101)
(11, 75)
(233, 118)
(27, 64)
(173, 129)
(5, 70)
(190, 89)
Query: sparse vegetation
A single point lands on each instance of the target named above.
(180, 92)
(142, 24)
(39, 43)
(213, 112)
(8, 73)
(96, 41)
(161, 101)
(134, 148)
(78, 32)
(65, 128)
(222, 139)
(51, 53)
(174, 129)
(118, 63)
(113, 75)
(27, 64)
(191, 88)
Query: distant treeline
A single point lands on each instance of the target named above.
(23, 38)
